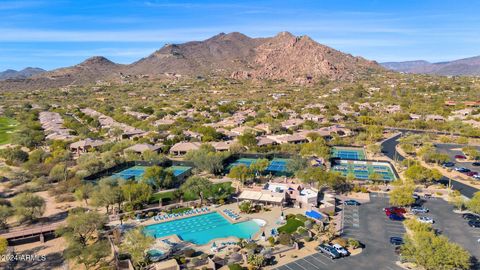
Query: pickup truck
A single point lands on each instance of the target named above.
(329, 251)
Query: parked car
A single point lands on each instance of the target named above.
(396, 210)
(343, 252)
(351, 202)
(477, 176)
(415, 196)
(474, 223)
(396, 217)
(396, 241)
(469, 216)
(471, 174)
(448, 164)
(419, 209)
(462, 169)
(460, 157)
(329, 251)
(476, 164)
(426, 220)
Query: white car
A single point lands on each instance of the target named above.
(340, 250)
(426, 220)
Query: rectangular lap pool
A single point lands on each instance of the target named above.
(203, 228)
(348, 153)
(363, 170)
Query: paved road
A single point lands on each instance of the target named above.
(368, 224)
(388, 148)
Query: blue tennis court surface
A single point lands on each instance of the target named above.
(135, 172)
(278, 165)
(365, 170)
(348, 153)
(178, 170)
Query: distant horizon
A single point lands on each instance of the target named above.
(55, 34)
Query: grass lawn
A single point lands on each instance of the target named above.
(168, 196)
(291, 225)
(7, 126)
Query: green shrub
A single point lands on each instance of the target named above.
(235, 267)
(353, 243)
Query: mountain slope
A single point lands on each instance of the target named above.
(22, 74)
(466, 66)
(282, 57)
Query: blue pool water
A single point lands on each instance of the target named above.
(203, 228)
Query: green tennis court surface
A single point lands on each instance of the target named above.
(364, 170)
(348, 153)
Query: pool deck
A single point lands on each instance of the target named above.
(271, 219)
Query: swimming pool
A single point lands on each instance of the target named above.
(203, 228)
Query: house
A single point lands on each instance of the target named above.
(142, 147)
(312, 117)
(292, 123)
(192, 134)
(166, 265)
(415, 116)
(435, 117)
(86, 145)
(391, 109)
(264, 127)
(52, 124)
(182, 148)
(450, 103)
(244, 129)
(164, 122)
(222, 146)
(295, 138)
(264, 141)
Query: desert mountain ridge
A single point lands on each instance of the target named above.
(466, 66)
(20, 74)
(296, 59)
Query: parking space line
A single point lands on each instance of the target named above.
(315, 266)
(286, 265)
(299, 265)
(318, 259)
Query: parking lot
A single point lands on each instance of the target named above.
(453, 225)
(371, 227)
(453, 149)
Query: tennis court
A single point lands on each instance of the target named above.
(363, 170)
(278, 165)
(135, 172)
(241, 161)
(348, 153)
(178, 170)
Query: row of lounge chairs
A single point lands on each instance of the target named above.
(231, 214)
(186, 213)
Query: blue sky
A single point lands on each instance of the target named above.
(55, 33)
